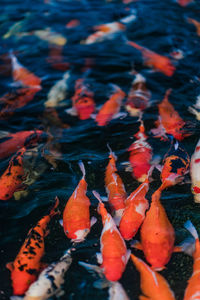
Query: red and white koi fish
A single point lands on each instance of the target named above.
(169, 120)
(153, 285)
(175, 165)
(11, 142)
(140, 155)
(151, 59)
(24, 76)
(27, 264)
(114, 255)
(76, 215)
(195, 173)
(134, 213)
(111, 107)
(83, 104)
(115, 188)
(12, 179)
(138, 96)
(192, 291)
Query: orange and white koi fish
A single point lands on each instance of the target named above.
(196, 24)
(114, 255)
(140, 155)
(138, 96)
(83, 104)
(193, 288)
(115, 188)
(184, 2)
(11, 142)
(111, 107)
(195, 173)
(14, 100)
(175, 165)
(27, 264)
(76, 215)
(157, 235)
(153, 285)
(134, 213)
(151, 59)
(24, 76)
(169, 120)
(12, 179)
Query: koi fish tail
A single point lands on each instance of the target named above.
(82, 167)
(111, 152)
(167, 93)
(190, 227)
(156, 195)
(97, 196)
(53, 210)
(15, 64)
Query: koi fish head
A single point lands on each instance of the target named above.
(158, 256)
(79, 235)
(85, 106)
(113, 269)
(6, 192)
(21, 280)
(196, 192)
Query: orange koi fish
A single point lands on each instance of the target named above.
(169, 120)
(193, 288)
(83, 104)
(153, 285)
(134, 213)
(24, 76)
(158, 62)
(111, 107)
(76, 215)
(196, 24)
(14, 100)
(157, 235)
(115, 188)
(184, 2)
(138, 96)
(114, 255)
(140, 155)
(27, 264)
(195, 173)
(73, 23)
(175, 165)
(13, 141)
(12, 179)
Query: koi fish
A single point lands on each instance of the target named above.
(184, 2)
(12, 179)
(153, 285)
(17, 27)
(115, 188)
(50, 36)
(151, 59)
(73, 23)
(56, 59)
(114, 255)
(111, 107)
(27, 264)
(140, 155)
(24, 76)
(175, 165)
(195, 173)
(169, 120)
(196, 24)
(15, 100)
(58, 92)
(49, 281)
(11, 142)
(76, 215)
(138, 96)
(157, 235)
(193, 288)
(83, 104)
(134, 213)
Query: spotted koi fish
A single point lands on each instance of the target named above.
(12, 179)
(27, 264)
(151, 59)
(115, 188)
(76, 215)
(114, 255)
(153, 285)
(138, 96)
(195, 173)
(134, 213)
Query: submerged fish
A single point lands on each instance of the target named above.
(196, 24)
(184, 2)
(158, 62)
(27, 264)
(50, 36)
(195, 173)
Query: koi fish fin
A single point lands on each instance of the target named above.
(91, 268)
(93, 221)
(99, 258)
(93, 116)
(120, 115)
(53, 211)
(187, 246)
(159, 168)
(101, 284)
(61, 222)
(10, 266)
(111, 152)
(128, 254)
(194, 112)
(4, 134)
(97, 196)
(190, 227)
(104, 198)
(137, 245)
(59, 292)
(71, 111)
(129, 18)
(82, 167)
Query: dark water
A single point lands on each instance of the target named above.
(160, 26)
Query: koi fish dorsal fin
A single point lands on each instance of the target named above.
(10, 266)
(82, 167)
(190, 227)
